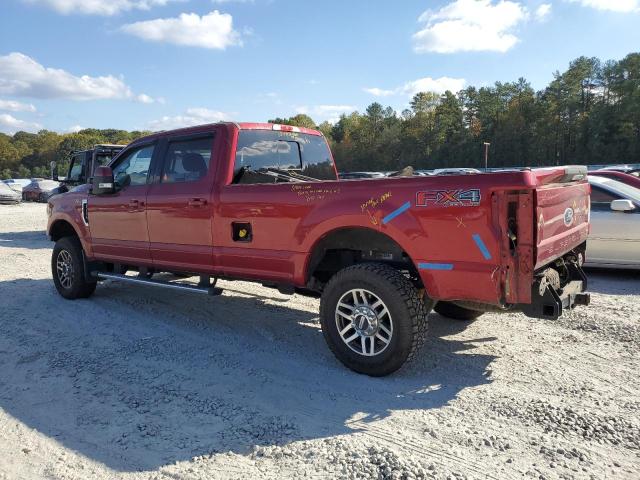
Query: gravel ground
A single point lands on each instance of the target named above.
(136, 383)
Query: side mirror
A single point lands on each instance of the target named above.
(622, 205)
(103, 181)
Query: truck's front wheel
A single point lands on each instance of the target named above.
(68, 270)
(373, 318)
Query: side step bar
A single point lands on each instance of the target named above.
(204, 287)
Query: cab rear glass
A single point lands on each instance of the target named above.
(298, 154)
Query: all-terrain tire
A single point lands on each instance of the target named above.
(451, 310)
(68, 270)
(407, 309)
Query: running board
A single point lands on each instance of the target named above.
(207, 290)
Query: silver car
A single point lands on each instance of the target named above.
(7, 195)
(614, 240)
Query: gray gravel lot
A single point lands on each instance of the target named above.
(138, 383)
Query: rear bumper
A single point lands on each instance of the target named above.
(549, 302)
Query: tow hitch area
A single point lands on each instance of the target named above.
(549, 300)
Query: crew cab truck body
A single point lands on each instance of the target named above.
(262, 202)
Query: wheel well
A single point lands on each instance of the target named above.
(61, 229)
(348, 246)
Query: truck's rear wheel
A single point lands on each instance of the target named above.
(373, 318)
(68, 271)
(451, 310)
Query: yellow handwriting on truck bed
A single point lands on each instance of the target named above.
(375, 202)
(314, 193)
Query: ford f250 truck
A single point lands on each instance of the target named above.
(263, 202)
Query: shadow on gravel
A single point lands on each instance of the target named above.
(614, 282)
(137, 378)
(33, 240)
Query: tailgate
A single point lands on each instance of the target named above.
(562, 212)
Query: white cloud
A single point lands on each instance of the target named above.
(543, 12)
(13, 106)
(321, 113)
(144, 98)
(75, 128)
(98, 7)
(10, 124)
(470, 25)
(438, 85)
(213, 30)
(192, 116)
(425, 84)
(611, 5)
(379, 92)
(22, 75)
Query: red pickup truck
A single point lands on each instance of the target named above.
(263, 202)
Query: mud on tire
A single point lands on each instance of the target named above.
(344, 314)
(68, 270)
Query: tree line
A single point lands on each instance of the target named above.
(25, 155)
(589, 114)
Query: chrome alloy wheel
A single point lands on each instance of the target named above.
(64, 267)
(364, 322)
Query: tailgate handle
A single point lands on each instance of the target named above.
(197, 202)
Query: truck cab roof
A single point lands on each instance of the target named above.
(236, 125)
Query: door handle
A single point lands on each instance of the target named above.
(134, 203)
(197, 202)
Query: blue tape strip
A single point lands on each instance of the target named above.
(435, 266)
(396, 212)
(483, 248)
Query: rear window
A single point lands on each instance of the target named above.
(266, 156)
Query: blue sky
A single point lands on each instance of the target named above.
(156, 64)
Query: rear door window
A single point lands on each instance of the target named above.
(187, 160)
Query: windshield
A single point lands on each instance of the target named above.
(628, 191)
(298, 153)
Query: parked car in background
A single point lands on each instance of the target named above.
(629, 169)
(8, 195)
(619, 176)
(84, 162)
(353, 175)
(17, 184)
(614, 240)
(455, 171)
(39, 190)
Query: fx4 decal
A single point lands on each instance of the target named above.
(448, 198)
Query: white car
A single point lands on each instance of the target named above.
(7, 195)
(614, 240)
(17, 184)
